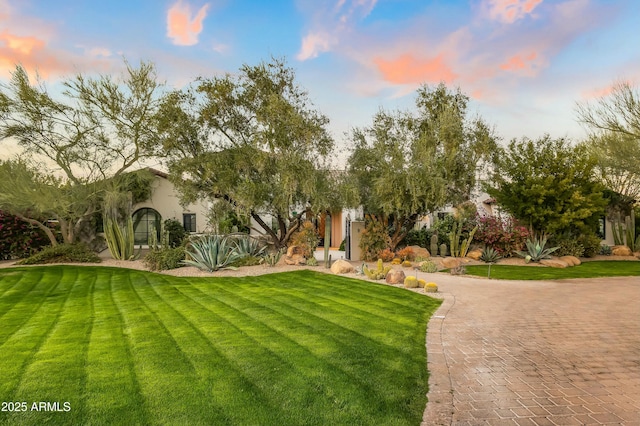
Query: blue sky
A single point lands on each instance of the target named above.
(524, 63)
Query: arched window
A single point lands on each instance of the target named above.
(146, 221)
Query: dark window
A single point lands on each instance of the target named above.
(189, 222)
(602, 228)
(146, 222)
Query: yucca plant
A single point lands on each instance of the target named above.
(490, 255)
(211, 253)
(536, 249)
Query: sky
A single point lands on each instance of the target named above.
(523, 63)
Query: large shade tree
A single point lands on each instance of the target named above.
(73, 144)
(614, 123)
(254, 142)
(407, 164)
(549, 185)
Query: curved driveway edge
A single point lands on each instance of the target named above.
(535, 352)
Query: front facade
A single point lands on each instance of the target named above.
(165, 204)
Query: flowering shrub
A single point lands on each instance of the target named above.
(505, 236)
(386, 255)
(406, 253)
(19, 239)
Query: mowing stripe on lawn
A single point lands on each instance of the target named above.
(280, 366)
(212, 288)
(65, 348)
(20, 302)
(166, 377)
(216, 375)
(18, 350)
(11, 280)
(131, 347)
(112, 393)
(334, 340)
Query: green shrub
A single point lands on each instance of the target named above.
(421, 237)
(175, 231)
(605, 250)
(591, 244)
(568, 245)
(63, 253)
(248, 261)
(164, 258)
(312, 261)
(342, 245)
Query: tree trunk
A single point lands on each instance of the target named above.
(42, 226)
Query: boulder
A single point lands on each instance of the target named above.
(296, 259)
(420, 252)
(621, 251)
(341, 266)
(571, 260)
(451, 262)
(474, 254)
(293, 250)
(554, 263)
(395, 276)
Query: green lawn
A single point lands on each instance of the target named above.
(604, 268)
(130, 347)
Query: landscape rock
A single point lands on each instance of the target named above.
(474, 254)
(554, 263)
(451, 262)
(296, 259)
(420, 252)
(341, 266)
(395, 276)
(571, 260)
(621, 251)
(293, 250)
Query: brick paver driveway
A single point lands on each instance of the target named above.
(535, 353)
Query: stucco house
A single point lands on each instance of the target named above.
(165, 204)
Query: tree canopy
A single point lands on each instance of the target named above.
(253, 141)
(408, 164)
(73, 147)
(548, 184)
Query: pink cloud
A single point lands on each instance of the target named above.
(330, 25)
(509, 11)
(182, 29)
(312, 45)
(406, 69)
(524, 64)
(26, 41)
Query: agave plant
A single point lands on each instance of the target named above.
(211, 252)
(490, 255)
(536, 249)
(247, 246)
